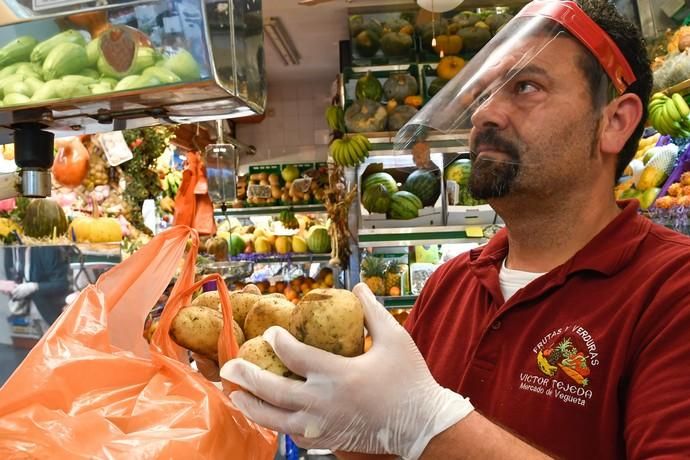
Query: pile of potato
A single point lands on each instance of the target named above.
(329, 319)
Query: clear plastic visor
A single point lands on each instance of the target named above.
(498, 75)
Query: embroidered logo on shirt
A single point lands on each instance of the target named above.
(564, 360)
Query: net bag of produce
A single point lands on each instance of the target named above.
(193, 206)
(93, 388)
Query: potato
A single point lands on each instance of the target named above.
(276, 295)
(241, 303)
(268, 311)
(209, 299)
(197, 329)
(259, 352)
(330, 319)
(251, 289)
(239, 334)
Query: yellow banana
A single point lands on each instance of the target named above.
(544, 365)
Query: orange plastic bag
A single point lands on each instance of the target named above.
(92, 388)
(193, 206)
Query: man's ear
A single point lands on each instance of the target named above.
(619, 119)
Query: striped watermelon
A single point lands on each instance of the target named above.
(376, 199)
(404, 205)
(381, 178)
(425, 185)
(318, 240)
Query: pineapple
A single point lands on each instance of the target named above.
(392, 275)
(373, 272)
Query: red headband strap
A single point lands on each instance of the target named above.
(569, 15)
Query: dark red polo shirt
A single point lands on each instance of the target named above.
(591, 360)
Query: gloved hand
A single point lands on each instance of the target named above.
(24, 290)
(384, 401)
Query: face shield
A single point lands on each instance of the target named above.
(499, 75)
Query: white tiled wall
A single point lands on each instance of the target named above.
(294, 128)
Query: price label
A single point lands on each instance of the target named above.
(40, 5)
(259, 191)
(474, 232)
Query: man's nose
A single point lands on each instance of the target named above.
(491, 113)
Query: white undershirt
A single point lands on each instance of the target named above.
(512, 281)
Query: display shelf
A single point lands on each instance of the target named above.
(270, 210)
(283, 258)
(402, 301)
(397, 237)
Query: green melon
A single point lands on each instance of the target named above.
(459, 171)
(44, 218)
(237, 245)
(381, 178)
(318, 240)
(369, 87)
(376, 199)
(404, 205)
(425, 185)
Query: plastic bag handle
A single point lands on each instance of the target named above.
(227, 345)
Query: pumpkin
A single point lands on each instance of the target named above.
(399, 85)
(436, 85)
(415, 101)
(218, 248)
(398, 25)
(448, 44)
(44, 218)
(95, 230)
(400, 115)
(449, 66)
(473, 38)
(367, 43)
(369, 87)
(365, 116)
(359, 23)
(71, 164)
(427, 32)
(396, 44)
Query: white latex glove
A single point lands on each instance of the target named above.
(384, 401)
(24, 290)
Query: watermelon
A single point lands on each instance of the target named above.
(318, 240)
(459, 171)
(404, 205)
(376, 199)
(44, 218)
(425, 185)
(381, 178)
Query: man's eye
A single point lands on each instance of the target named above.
(524, 87)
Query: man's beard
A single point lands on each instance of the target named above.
(493, 178)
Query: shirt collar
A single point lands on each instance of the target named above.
(607, 253)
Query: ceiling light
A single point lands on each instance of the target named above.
(439, 6)
(276, 32)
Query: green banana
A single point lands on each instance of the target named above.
(335, 118)
(672, 110)
(682, 106)
(361, 142)
(336, 151)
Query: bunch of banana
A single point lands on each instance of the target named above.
(335, 117)
(645, 144)
(350, 150)
(669, 115)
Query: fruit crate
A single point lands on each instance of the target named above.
(381, 36)
(394, 173)
(461, 208)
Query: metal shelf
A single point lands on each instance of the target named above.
(402, 301)
(270, 210)
(283, 258)
(390, 237)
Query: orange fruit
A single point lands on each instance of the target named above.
(394, 291)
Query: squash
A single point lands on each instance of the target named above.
(398, 25)
(44, 218)
(365, 116)
(369, 87)
(399, 85)
(436, 85)
(401, 114)
(95, 230)
(449, 66)
(367, 43)
(396, 44)
(473, 38)
(448, 44)
(71, 163)
(426, 32)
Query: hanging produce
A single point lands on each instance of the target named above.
(350, 150)
(71, 163)
(338, 203)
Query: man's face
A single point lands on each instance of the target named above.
(536, 134)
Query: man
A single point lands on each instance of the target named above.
(568, 331)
